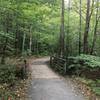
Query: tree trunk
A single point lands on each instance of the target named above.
(80, 28)
(95, 28)
(23, 45)
(4, 52)
(68, 31)
(30, 43)
(87, 26)
(62, 33)
(16, 40)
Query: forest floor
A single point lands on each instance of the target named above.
(48, 85)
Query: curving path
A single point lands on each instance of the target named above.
(47, 85)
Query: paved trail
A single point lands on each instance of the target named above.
(47, 85)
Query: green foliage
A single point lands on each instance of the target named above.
(5, 95)
(96, 90)
(96, 87)
(41, 20)
(10, 73)
(7, 74)
(93, 84)
(85, 65)
(7, 40)
(87, 60)
(29, 17)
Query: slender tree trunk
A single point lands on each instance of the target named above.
(95, 28)
(80, 28)
(37, 48)
(30, 43)
(68, 30)
(16, 40)
(23, 45)
(4, 52)
(85, 48)
(62, 33)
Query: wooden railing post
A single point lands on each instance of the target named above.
(65, 65)
(50, 60)
(24, 69)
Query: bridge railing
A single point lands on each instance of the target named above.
(58, 64)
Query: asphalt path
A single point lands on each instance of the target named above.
(47, 85)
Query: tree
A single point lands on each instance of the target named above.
(80, 26)
(62, 33)
(87, 26)
(95, 28)
(68, 29)
(30, 43)
(33, 27)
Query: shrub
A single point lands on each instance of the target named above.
(7, 95)
(90, 61)
(7, 74)
(85, 64)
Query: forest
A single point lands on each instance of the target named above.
(67, 29)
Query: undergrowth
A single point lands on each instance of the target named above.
(83, 63)
(93, 84)
(11, 80)
(87, 67)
